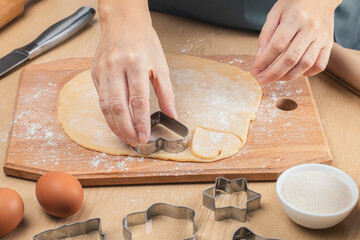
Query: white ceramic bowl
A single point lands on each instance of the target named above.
(314, 220)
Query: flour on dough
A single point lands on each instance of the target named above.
(212, 99)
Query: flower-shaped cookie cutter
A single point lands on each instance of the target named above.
(247, 234)
(72, 230)
(159, 209)
(160, 143)
(231, 186)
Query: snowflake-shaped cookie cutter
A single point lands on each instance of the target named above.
(158, 209)
(231, 186)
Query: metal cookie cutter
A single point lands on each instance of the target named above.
(158, 209)
(171, 146)
(231, 186)
(72, 230)
(245, 233)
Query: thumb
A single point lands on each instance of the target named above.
(164, 91)
(267, 31)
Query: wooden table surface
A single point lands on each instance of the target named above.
(339, 110)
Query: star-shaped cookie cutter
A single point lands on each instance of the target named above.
(245, 233)
(72, 230)
(231, 186)
(158, 209)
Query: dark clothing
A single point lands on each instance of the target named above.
(251, 15)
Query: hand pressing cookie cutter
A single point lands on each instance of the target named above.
(72, 230)
(245, 233)
(231, 186)
(171, 146)
(158, 209)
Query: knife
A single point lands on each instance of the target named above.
(50, 38)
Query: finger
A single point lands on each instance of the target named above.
(119, 106)
(97, 74)
(105, 107)
(267, 31)
(287, 60)
(102, 87)
(139, 98)
(320, 63)
(277, 45)
(164, 91)
(95, 79)
(306, 62)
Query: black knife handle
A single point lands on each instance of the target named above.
(59, 32)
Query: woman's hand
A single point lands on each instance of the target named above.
(128, 57)
(295, 40)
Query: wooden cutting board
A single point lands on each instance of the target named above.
(279, 138)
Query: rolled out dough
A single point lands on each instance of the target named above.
(216, 101)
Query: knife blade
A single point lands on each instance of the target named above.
(50, 38)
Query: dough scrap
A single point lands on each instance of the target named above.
(208, 144)
(209, 95)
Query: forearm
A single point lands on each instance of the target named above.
(344, 65)
(117, 14)
(336, 2)
(333, 4)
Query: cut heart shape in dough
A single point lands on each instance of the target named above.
(207, 144)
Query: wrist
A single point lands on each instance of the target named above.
(336, 3)
(333, 4)
(115, 14)
(330, 5)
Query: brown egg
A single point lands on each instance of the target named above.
(59, 193)
(11, 210)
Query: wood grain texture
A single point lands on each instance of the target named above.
(338, 109)
(10, 9)
(278, 139)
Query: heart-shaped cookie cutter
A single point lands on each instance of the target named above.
(160, 143)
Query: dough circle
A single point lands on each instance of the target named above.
(216, 101)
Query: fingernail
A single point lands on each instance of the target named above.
(296, 75)
(133, 142)
(256, 71)
(258, 51)
(261, 79)
(142, 138)
(173, 112)
(176, 115)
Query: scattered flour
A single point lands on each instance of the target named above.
(192, 46)
(4, 136)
